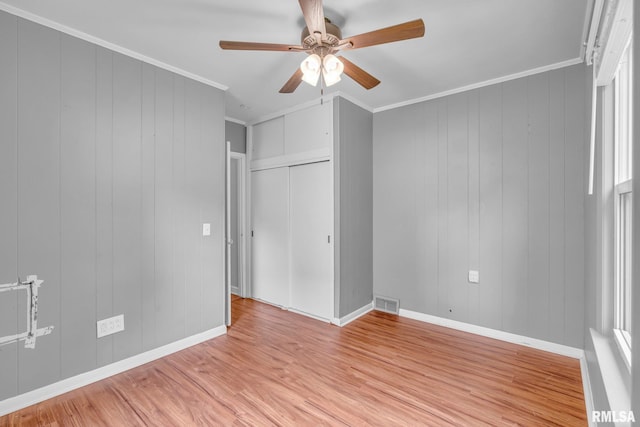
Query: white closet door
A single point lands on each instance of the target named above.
(270, 206)
(311, 226)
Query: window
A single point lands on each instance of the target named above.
(622, 205)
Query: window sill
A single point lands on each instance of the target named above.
(615, 376)
(623, 346)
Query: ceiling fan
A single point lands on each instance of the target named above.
(322, 40)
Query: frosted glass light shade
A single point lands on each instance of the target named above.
(310, 68)
(332, 68)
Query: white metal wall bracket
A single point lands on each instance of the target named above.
(31, 285)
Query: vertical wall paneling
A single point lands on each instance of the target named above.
(106, 165)
(127, 203)
(337, 224)
(164, 207)
(237, 135)
(575, 126)
(444, 280)
(77, 206)
(412, 219)
(491, 184)
(419, 147)
(354, 210)
(178, 227)
(457, 207)
(9, 192)
(212, 161)
(538, 205)
(394, 181)
(556, 204)
(515, 206)
(39, 195)
(104, 198)
(429, 259)
(500, 172)
(193, 183)
(148, 226)
(473, 185)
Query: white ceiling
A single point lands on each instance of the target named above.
(466, 42)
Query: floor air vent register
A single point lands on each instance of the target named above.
(388, 305)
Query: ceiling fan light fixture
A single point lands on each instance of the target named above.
(310, 68)
(320, 39)
(332, 68)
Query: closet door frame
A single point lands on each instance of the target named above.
(332, 248)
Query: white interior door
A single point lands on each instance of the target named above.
(227, 256)
(234, 235)
(270, 257)
(237, 223)
(311, 234)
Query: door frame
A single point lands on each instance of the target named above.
(227, 234)
(242, 221)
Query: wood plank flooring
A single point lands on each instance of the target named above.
(278, 368)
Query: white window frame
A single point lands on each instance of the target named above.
(622, 309)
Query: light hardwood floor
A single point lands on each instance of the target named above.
(278, 368)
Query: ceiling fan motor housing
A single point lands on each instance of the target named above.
(310, 41)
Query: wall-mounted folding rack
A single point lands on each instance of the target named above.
(31, 286)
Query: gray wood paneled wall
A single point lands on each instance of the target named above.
(353, 157)
(493, 180)
(108, 168)
(236, 134)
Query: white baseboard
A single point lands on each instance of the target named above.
(21, 401)
(304, 313)
(560, 349)
(586, 387)
(353, 315)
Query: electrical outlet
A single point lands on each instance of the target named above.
(474, 276)
(206, 229)
(110, 326)
(118, 323)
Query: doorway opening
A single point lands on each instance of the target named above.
(236, 273)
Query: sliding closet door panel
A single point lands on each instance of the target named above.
(311, 226)
(270, 202)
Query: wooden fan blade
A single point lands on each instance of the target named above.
(314, 17)
(293, 83)
(361, 77)
(408, 30)
(233, 45)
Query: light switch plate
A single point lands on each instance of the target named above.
(206, 229)
(474, 276)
